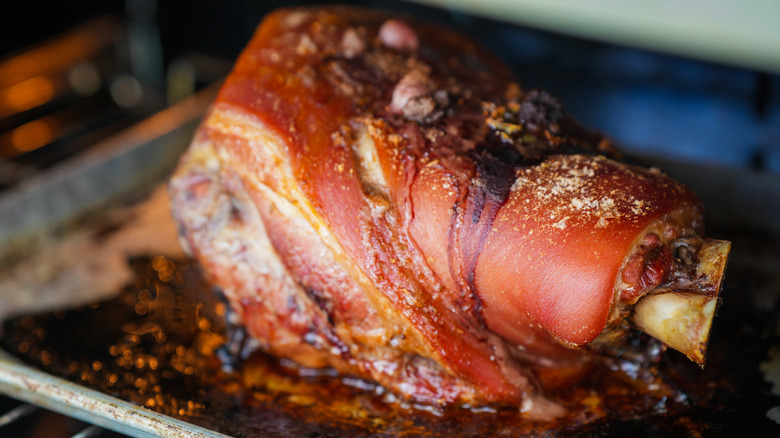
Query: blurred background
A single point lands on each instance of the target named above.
(696, 84)
(73, 73)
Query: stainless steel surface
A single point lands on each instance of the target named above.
(16, 413)
(22, 382)
(121, 165)
(23, 410)
(88, 432)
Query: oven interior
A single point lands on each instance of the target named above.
(98, 103)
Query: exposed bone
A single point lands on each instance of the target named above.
(680, 320)
(682, 317)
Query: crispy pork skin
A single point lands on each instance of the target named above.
(379, 196)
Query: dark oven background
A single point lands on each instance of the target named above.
(650, 103)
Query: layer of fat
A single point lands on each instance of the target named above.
(290, 200)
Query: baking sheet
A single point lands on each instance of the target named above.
(23, 382)
(158, 345)
(734, 394)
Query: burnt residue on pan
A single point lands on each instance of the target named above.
(159, 344)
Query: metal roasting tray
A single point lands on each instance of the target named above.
(53, 203)
(131, 164)
(25, 383)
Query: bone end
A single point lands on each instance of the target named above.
(682, 319)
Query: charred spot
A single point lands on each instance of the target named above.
(536, 127)
(517, 140)
(347, 74)
(473, 221)
(238, 344)
(685, 249)
(540, 110)
(635, 352)
(496, 171)
(236, 213)
(321, 300)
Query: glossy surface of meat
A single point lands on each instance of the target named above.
(381, 197)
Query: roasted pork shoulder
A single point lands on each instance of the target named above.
(380, 197)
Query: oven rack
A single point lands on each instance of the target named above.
(25, 383)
